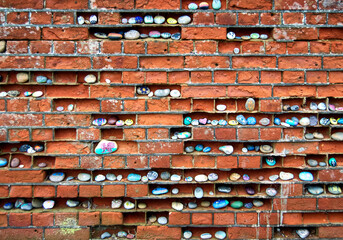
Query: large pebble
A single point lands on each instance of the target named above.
(72, 203)
(57, 177)
(162, 92)
(338, 136)
(15, 162)
(41, 79)
(306, 176)
(37, 203)
(175, 93)
(26, 207)
(84, 177)
(198, 192)
(129, 205)
(90, 78)
(2, 46)
(303, 233)
(177, 206)
(184, 20)
(105, 147)
(22, 77)
(134, 177)
(315, 190)
(201, 178)
(48, 204)
(221, 203)
(334, 189)
(286, 176)
(250, 104)
(187, 234)
(205, 236)
(3, 162)
(227, 149)
(105, 235)
(132, 34)
(312, 162)
(99, 178)
(271, 192)
(13, 93)
(116, 203)
(159, 191)
(234, 176)
(37, 94)
(162, 220)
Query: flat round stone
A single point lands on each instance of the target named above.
(176, 36)
(322, 106)
(303, 233)
(100, 178)
(72, 203)
(224, 189)
(60, 109)
(175, 177)
(227, 149)
(129, 205)
(165, 175)
(273, 178)
(15, 162)
(13, 93)
(57, 177)
(84, 177)
(111, 177)
(162, 92)
(201, 178)
(312, 162)
(313, 121)
(175, 191)
(143, 90)
(134, 177)
(145, 179)
(264, 121)
(4, 162)
(198, 192)
(152, 219)
(8, 206)
(184, 20)
(221, 107)
(205, 203)
(231, 35)
(122, 234)
(257, 203)
(192, 205)
(154, 34)
(184, 135)
(148, 19)
(37, 203)
(99, 122)
(251, 121)
(152, 175)
(22, 77)
(26, 207)
(41, 79)
(105, 235)
(271, 192)
(250, 190)
(142, 205)
(131, 35)
(318, 135)
(48, 204)
(305, 121)
(285, 176)
(220, 235)
(322, 164)
(236, 204)
(106, 147)
(116, 203)
(159, 19)
(37, 94)
(162, 220)
(334, 189)
(306, 176)
(159, 191)
(100, 35)
(250, 104)
(338, 136)
(266, 149)
(309, 136)
(204, 5)
(90, 78)
(175, 93)
(189, 149)
(207, 149)
(213, 177)
(192, 6)
(234, 177)
(270, 161)
(42, 165)
(205, 236)
(315, 190)
(177, 206)
(332, 162)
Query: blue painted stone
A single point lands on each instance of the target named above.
(216, 4)
(291, 122)
(251, 147)
(176, 36)
(306, 176)
(143, 90)
(49, 81)
(270, 161)
(106, 147)
(41, 79)
(206, 149)
(257, 148)
(241, 119)
(222, 122)
(221, 203)
(332, 162)
(24, 148)
(205, 236)
(251, 121)
(19, 202)
(166, 35)
(26, 206)
(154, 34)
(324, 121)
(3, 162)
(134, 177)
(99, 121)
(27, 94)
(159, 191)
(248, 205)
(139, 19)
(277, 121)
(340, 121)
(8, 206)
(187, 121)
(296, 120)
(199, 147)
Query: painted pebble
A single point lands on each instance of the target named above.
(129, 205)
(134, 177)
(221, 203)
(303, 233)
(306, 176)
(57, 177)
(159, 191)
(48, 204)
(84, 177)
(192, 6)
(204, 5)
(105, 147)
(3, 162)
(271, 192)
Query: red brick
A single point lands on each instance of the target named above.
(203, 18)
(111, 218)
(59, 233)
(250, 4)
(89, 218)
(42, 219)
(37, 4)
(113, 191)
(295, 4)
(160, 232)
(203, 33)
(226, 18)
(177, 218)
(65, 4)
(247, 218)
(202, 218)
(89, 191)
(19, 219)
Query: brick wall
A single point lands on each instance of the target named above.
(300, 62)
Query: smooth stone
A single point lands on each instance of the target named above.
(257, 203)
(142, 205)
(322, 164)
(144, 36)
(143, 90)
(204, 5)
(234, 177)
(90, 78)
(2, 46)
(111, 177)
(250, 104)
(159, 191)
(100, 178)
(131, 35)
(338, 136)
(19, 202)
(105, 147)
(100, 35)
(189, 149)
(80, 20)
(270, 161)
(277, 121)
(205, 236)
(246, 177)
(332, 162)
(306, 176)
(250, 190)
(148, 19)
(184, 20)
(271, 192)
(188, 179)
(41, 79)
(324, 121)
(22, 77)
(139, 19)
(37, 94)
(214, 122)
(241, 119)
(175, 178)
(199, 147)
(116, 203)
(318, 135)
(216, 4)
(198, 192)
(291, 122)
(227, 149)
(195, 122)
(15, 162)
(152, 219)
(207, 149)
(221, 203)
(37, 203)
(162, 220)
(84, 177)
(38, 148)
(25, 148)
(236, 50)
(248, 205)
(175, 93)
(42, 165)
(236, 204)
(321, 106)
(313, 106)
(165, 175)
(129, 205)
(8, 206)
(303, 233)
(309, 136)
(266, 149)
(273, 178)
(334, 189)
(122, 234)
(60, 108)
(251, 121)
(48, 204)
(285, 176)
(305, 121)
(295, 108)
(187, 121)
(192, 205)
(192, 6)
(264, 121)
(286, 107)
(315, 190)
(176, 36)
(26, 207)
(177, 206)
(4, 162)
(175, 191)
(114, 36)
(72, 203)
(231, 35)
(93, 19)
(212, 177)
(3, 94)
(105, 235)
(162, 92)
(224, 189)
(203, 121)
(70, 178)
(145, 179)
(152, 175)
(221, 107)
(154, 34)
(57, 177)
(205, 203)
(332, 107)
(134, 177)
(13, 93)
(312, 162)
(201, 178)
(159, 19)
(184, 135)
(99, 122)
(120, 123)
(313, 121)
